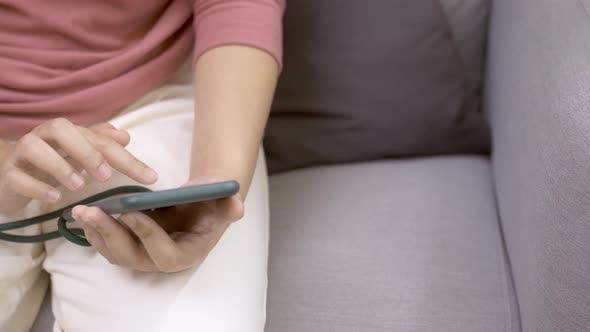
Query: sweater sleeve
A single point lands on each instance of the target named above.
(255, 23)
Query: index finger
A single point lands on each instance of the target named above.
(70, 139)
(121, 159)
(107, 129)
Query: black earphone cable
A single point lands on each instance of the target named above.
(74, 235)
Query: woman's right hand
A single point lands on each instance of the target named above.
(55, 153)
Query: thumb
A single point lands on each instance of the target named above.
(231, 208)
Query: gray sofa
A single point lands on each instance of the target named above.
(454, 243)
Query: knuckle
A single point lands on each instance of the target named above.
(127, 261)
(11, 176)
(91, 238)
(103, 142)
(27, 143)
(59, 170)
(130, 168)
(92, 157)
(111, 260)
(172, 264)
(101, 125)
(58, 124)
(168, 270)
(146, 268)
(105, 233)
(142, 231)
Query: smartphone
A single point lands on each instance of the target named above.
(163, 198)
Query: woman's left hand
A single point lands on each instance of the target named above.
(165, 240)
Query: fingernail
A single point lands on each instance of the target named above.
(53, 195)
(104, 172)
(76, 181)
(150, 175)
(77, 212)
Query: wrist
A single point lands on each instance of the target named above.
(199, 173)
(235, 169)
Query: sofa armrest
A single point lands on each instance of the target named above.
(538, 101)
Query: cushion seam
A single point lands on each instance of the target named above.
(503, 261)
(506, 278)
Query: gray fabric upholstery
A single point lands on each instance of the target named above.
(409, 245)
(539, 103)
(366, 80)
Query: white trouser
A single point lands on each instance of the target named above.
(226, 293)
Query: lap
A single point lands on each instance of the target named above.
(90, 294)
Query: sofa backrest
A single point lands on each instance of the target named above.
(366, 80)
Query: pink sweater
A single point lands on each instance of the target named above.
(85, 59)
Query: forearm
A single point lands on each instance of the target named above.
(234, 87)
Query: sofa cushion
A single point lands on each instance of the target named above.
(366, 80)
(388, 246)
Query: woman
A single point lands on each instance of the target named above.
(79, 81)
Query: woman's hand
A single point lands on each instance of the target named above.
(55, 153)
(165, 240)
